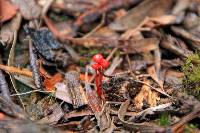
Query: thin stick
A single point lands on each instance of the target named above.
(28, 92)
(97, 27)
(153, 88)
(16, 70)
(10, 63)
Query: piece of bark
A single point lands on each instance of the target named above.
(11, 109)
(34, 66)
(148, 8)
(188, 105)
(73, 83)
(48, 47)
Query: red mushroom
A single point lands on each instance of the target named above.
(100, 65)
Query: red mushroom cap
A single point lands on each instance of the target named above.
(96, 66)
(104, 64)
(97, 58)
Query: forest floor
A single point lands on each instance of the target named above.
(100, 66)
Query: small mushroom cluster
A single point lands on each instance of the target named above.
(99, 66)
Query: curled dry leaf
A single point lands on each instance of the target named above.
(49, 83)
(8, 30)
(62, 92)
(8, 10)
(28, 8)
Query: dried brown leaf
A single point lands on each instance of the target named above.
(28, 8)
(63, 92)
(54, 116)
(148, 8)
(8, 30)
(8, 10)
(143, 45)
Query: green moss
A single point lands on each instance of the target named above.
(191, 69)
(164, 120)
(191, 128)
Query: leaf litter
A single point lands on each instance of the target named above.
(148, 56)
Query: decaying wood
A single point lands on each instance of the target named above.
(73, 83)
(34, 66)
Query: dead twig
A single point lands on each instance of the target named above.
(15, 70)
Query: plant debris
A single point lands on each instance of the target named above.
(100, 66)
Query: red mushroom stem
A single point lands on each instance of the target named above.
(98, 80)
(99, 66)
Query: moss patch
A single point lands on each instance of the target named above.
(191, 69)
